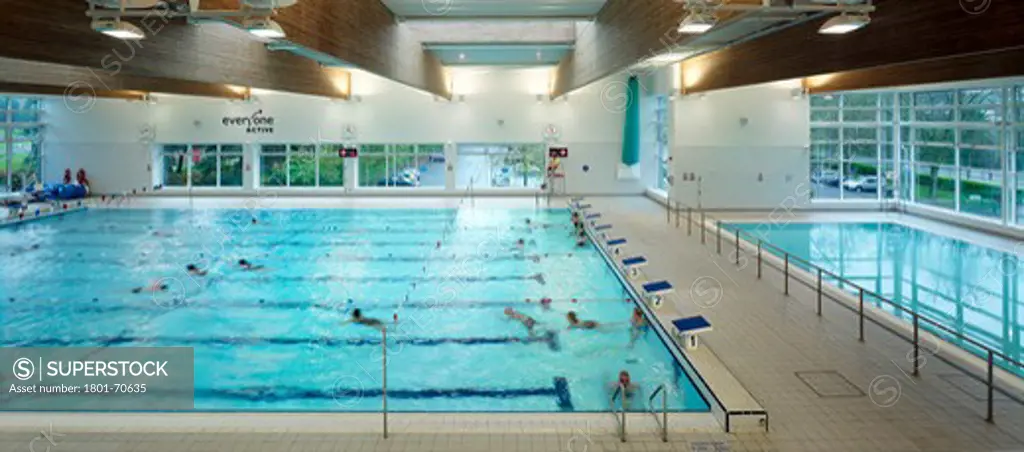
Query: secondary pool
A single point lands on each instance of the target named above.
(274, 339)
(968, 288)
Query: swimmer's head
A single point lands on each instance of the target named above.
(243, 262)
(509, 311)
(624, 378)
(191, 267)
(520, 242)
(356, 313)
(572, 316)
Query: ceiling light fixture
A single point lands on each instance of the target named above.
(844, 23)
(264, 28)
(117, 29)
(696, 23)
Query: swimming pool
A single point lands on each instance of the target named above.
(970, 289)
(274, 339)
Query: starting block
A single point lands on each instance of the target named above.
(655, 292)
(688, 328)
(633, 265)
(601, 228)
(615, 245)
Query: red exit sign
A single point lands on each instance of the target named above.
(348, 153)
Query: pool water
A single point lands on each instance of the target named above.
(275, 339)
(973, 290)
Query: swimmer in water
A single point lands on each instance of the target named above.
(626, 384)
(25, 249)
(575, 322)
(194, 270)
(526, 320)
(581, 238)
(248, 266)
(545, 303)
(637, 325)
(155, 287)
(357, 318)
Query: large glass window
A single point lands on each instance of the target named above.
(959, 148)
(302, 165)
(402, 165)
(332, 166)
(851, 153)
(501, 166)
(201, 165)
(21, 147)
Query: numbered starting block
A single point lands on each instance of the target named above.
(688, 328)
(655, 292)
(615, 246)
(583, 206)
(602, 230)
(633, 265)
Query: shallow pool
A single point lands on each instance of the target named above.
(971, 289)
(274, 339)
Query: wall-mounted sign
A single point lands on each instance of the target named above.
(348, 153)
(557, 153)
(257, 123)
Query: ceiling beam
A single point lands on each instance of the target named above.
(623, 34)
(362, 32)
(901, 32)
(986, 65)
(58, 79)
(58, 32)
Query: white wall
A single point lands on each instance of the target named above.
(747, 148)
(500, 106)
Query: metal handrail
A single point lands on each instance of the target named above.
(663, 422)
(384, 382)
(620, 416)
(840, 281)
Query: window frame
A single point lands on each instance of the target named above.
(218, 154)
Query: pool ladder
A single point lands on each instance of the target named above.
(620, 414)
(663, 422)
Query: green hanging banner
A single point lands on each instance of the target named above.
(631, 129)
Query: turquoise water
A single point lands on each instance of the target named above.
(275, 339)
(970, 289)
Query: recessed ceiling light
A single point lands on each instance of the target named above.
(117, 29)
(264, 28)
(696, 23)
(666, 58)
(844, 23)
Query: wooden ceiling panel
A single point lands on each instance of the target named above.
(363, 33)
(58, 31)
(901, 32)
